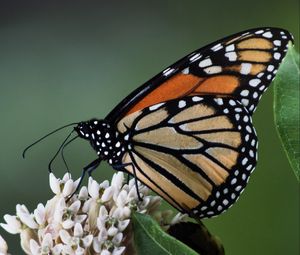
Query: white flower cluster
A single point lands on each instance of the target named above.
(95, 221)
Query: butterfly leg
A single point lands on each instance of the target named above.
(89, 168)
(121, 168)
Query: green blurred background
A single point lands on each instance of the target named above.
(66, 61)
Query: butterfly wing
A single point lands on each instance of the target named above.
(241, 66)
(196, 152)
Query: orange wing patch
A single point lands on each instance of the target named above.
(223, 84)
(187, 84)
(175, 87)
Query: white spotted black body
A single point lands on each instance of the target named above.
(105, 139)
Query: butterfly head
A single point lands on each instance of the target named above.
(103, 138)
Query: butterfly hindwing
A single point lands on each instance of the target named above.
(196, 152)
(240, 66)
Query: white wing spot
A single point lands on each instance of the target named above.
(277, 43)
(205, 62)
(238, 188)
(230, 47)
(245, 92)
(277, 55)
(232, 103)
(248, 128)
(213, 69)
(260, 75)
(261, 88)
(186, 71)
(247, 138)
(244, 161)
(245, 68)
(225, 202)
(255, 95)
(219, 101)
(267, 34)
(197, 99)
(231, 56)
(270, 68)
(233, 181)
(249, 167)
(259, 32)
(245, 101)
(254, 82)
(181, 104)
(154, 107)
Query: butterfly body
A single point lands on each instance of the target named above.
(187, 133)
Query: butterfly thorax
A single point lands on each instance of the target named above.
(104, 138)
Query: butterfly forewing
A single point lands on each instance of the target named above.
(196, 152)
(240, 66)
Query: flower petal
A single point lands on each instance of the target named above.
(103, 213)
(39, 214)
(28, 220)
(57, 249)
(118, 250)
(94, 189)
(75, 206)
(13, 225)
(68, 188)
(105, 252)
(83, 193)
(67, 176)
(78, 231)
(3, 245)
(112, 231)
(65, 236)
(34, 247)
(79, 251)
(87, 241)
(108, 194)
(67, 224)
(102, 236)
(122, 225)
(97, 245)
(121, 199)
(117, 239)
(54, 184)
(117, 180)
(47, 241)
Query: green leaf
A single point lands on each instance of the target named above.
(150, 239)
(286, 107)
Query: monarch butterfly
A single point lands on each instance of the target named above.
(187, 133)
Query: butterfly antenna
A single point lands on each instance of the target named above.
(62, 152)
(42, 138)
(59, 149)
